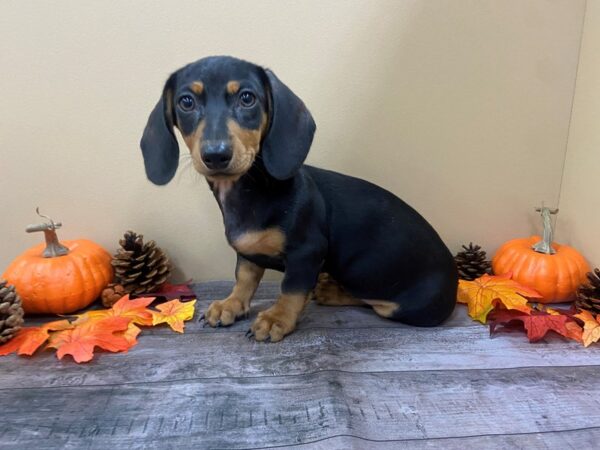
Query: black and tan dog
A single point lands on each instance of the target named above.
(347, 240)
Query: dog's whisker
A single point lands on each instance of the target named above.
(188, 170)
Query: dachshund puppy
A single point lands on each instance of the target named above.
(344, 239)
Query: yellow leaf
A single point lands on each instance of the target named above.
(481, 295)
(131, 334)
(174, 313)
(135, 310)
(591, 328)
(551, 311)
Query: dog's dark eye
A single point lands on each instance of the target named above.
(247, 99)
(186, 103)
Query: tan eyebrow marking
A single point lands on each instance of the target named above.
(197, 87)
(233, 86)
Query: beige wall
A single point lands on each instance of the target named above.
(460, 107)
(579, 220)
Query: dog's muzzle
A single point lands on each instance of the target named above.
(216, 155)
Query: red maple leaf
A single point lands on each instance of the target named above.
(537, 323)
(170, 291)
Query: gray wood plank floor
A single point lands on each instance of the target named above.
(345, 379)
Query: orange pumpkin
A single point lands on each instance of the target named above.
(59, 278)
(552, 269)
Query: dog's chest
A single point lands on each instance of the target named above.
(268, 242)
(246, 229)
(264, 247)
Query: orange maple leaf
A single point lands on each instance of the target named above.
(481, 294)
(134, 310)
(131, 334)
(591, 327)
(79, 342)
(28, 340)
(574, 331)
(174, 313)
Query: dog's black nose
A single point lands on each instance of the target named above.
(216, 154)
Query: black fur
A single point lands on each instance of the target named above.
(371, 242)
(291, 128)
(159, 146)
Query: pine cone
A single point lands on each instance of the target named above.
(112, 294)
(11, 312)
(588, 294)
(472, 263)
(139, 267)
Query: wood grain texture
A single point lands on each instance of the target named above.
(230, 354)
(579, 439)
(270, 411)
(345, 378)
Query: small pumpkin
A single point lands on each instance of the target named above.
(57, 277)
(552, 269)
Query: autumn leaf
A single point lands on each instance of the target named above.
(591, 328)
(543, 308)
(574, 331)
(536, 323)
(131, 334)
(79, 342)
(481, 295)
(174, 313)
(28, 340)
(134, 310)
(114, 329)
(551, 311)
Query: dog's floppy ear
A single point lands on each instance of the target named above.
(159, 146)
(291, 131)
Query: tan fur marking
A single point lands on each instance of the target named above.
(246, 145)
(270, 242)
(384, 308)
(248, 276)
(233, 86)
(197, 87)
(280, 319)
(223, 187)
(169, 103)
(329, 292)
(193, 143)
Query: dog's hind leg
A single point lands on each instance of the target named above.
(383, 308)
(427, 303)
(330, 292)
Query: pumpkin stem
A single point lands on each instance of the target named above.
(545, 245)
(53, 247)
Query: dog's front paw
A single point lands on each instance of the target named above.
(224, 312)
(271, 327)
(273, 324)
